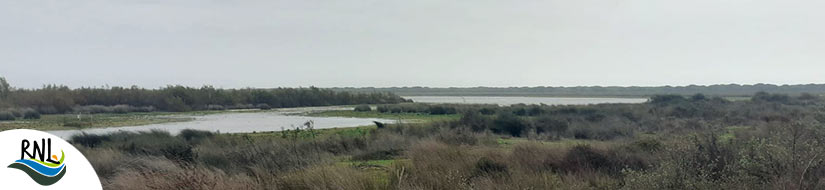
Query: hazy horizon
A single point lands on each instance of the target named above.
(367, 43)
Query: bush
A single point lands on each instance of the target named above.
(6, 116)
(121, 109)
(474, 120)
(667, 99)
(585, 157)
(383, 109)
(507, 123)
(195, 135)
(31, 114)
(263, 106)
(16, 112)
(89, 140)
(215, 107)
(547, 124)
(363, 108)
(489, 167)
(377, 155)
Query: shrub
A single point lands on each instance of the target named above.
(16, 112)
(475, 121)
(195, 135)
(121, 109)
(585, 157)
(508, 123)
(377, 155)
(582, 157)
(89, 140)
(363, 108)
(698, 97)
(487, 111)
(489, 167)
(547, 124)
(667, 99)
(395, 109)
(263, 106)
(440, 110)
(31, 114)
(383, 109)
(6, 116)
(648, 144)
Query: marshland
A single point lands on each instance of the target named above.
(765, 141)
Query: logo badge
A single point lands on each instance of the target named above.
(39, 160)
(40, 164)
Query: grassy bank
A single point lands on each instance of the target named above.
(103, 120)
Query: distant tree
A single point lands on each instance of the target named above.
(698, 97)
(767, 97)
(5, 89)
(175, 104)
(808, 96)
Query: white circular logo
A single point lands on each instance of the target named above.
(35, 159)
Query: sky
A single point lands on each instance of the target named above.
(386, 43)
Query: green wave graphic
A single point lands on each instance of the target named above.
(37, 177)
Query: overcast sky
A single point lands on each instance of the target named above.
(439, 43)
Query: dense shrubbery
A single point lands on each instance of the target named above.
(671, 143)
(31, 114)
(53, 99)
(434, 109)
(6, 116)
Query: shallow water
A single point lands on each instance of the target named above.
(287, 118)
(243, 122)
(510, 100)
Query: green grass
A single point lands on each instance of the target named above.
(361, 131)
(409, 117)
(71, 121)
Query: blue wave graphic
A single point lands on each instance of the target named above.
(40, 168)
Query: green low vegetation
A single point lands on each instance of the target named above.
(70, 121)
(772, 141)
(102, 120)
(407, 117)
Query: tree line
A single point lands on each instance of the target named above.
(601, 91)
(52, 99)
